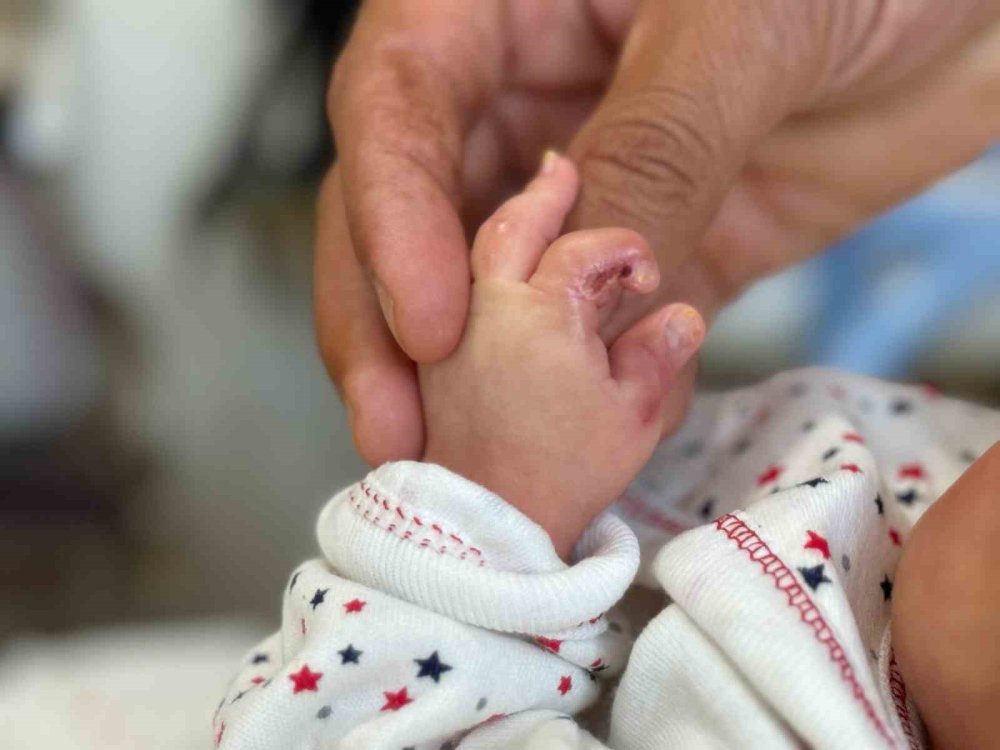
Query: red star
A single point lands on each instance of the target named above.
(305, 680)
(218, 735)
(816, 542)
(565, 684)
(853, 437)
(355, 605)
(395, 701)
(894, 536)
(597, 663)
(552, 644)
(911, 471)
(770, 474)
(853, 468)
(257, 680)
(931, 391)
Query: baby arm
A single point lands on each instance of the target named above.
(533, 405)
(441, 609)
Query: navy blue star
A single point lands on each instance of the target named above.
(907, 498)
(967, 456)
(886, 589)
(432, 667)
(901, 406)
(350, 655)
(706, 509)
(741, 446)
(814, 483)
(692, 449)
(831, 453)
(260, 659)
(295, 578)
(318, 597)
(878, 504)
(808, 426)
(814, 576)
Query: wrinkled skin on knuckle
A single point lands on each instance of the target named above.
(401, 92)
(646, 161)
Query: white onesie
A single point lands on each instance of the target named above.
(440, 617)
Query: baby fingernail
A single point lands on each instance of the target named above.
(684, 330)
(549, 159)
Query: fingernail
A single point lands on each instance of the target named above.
(549, 159)
(684, 330)
(388, 306)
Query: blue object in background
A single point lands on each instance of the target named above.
(889, 290)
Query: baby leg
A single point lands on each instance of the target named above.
(946, 611)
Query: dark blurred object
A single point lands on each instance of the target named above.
(285, 142)
(66, 472)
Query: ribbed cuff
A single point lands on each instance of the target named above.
(437, 540)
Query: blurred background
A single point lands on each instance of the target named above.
(167, 431)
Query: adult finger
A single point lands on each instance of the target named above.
(407, 85)
(376, 380)
(698, 85)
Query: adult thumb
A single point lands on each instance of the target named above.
(698, 84)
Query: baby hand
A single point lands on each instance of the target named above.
(532, 404)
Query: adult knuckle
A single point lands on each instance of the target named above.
(415, 119)
(649, 156)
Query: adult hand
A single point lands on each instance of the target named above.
(737, 137)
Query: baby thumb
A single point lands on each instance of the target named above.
(647, 359)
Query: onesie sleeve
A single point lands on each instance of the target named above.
(437, 616)
(775, 521)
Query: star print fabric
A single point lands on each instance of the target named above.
(440, 617)
(438, 608)
(778, 634)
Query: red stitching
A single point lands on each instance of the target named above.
(636, 509)
(785, 581)
(897, 688)
(378, 518)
